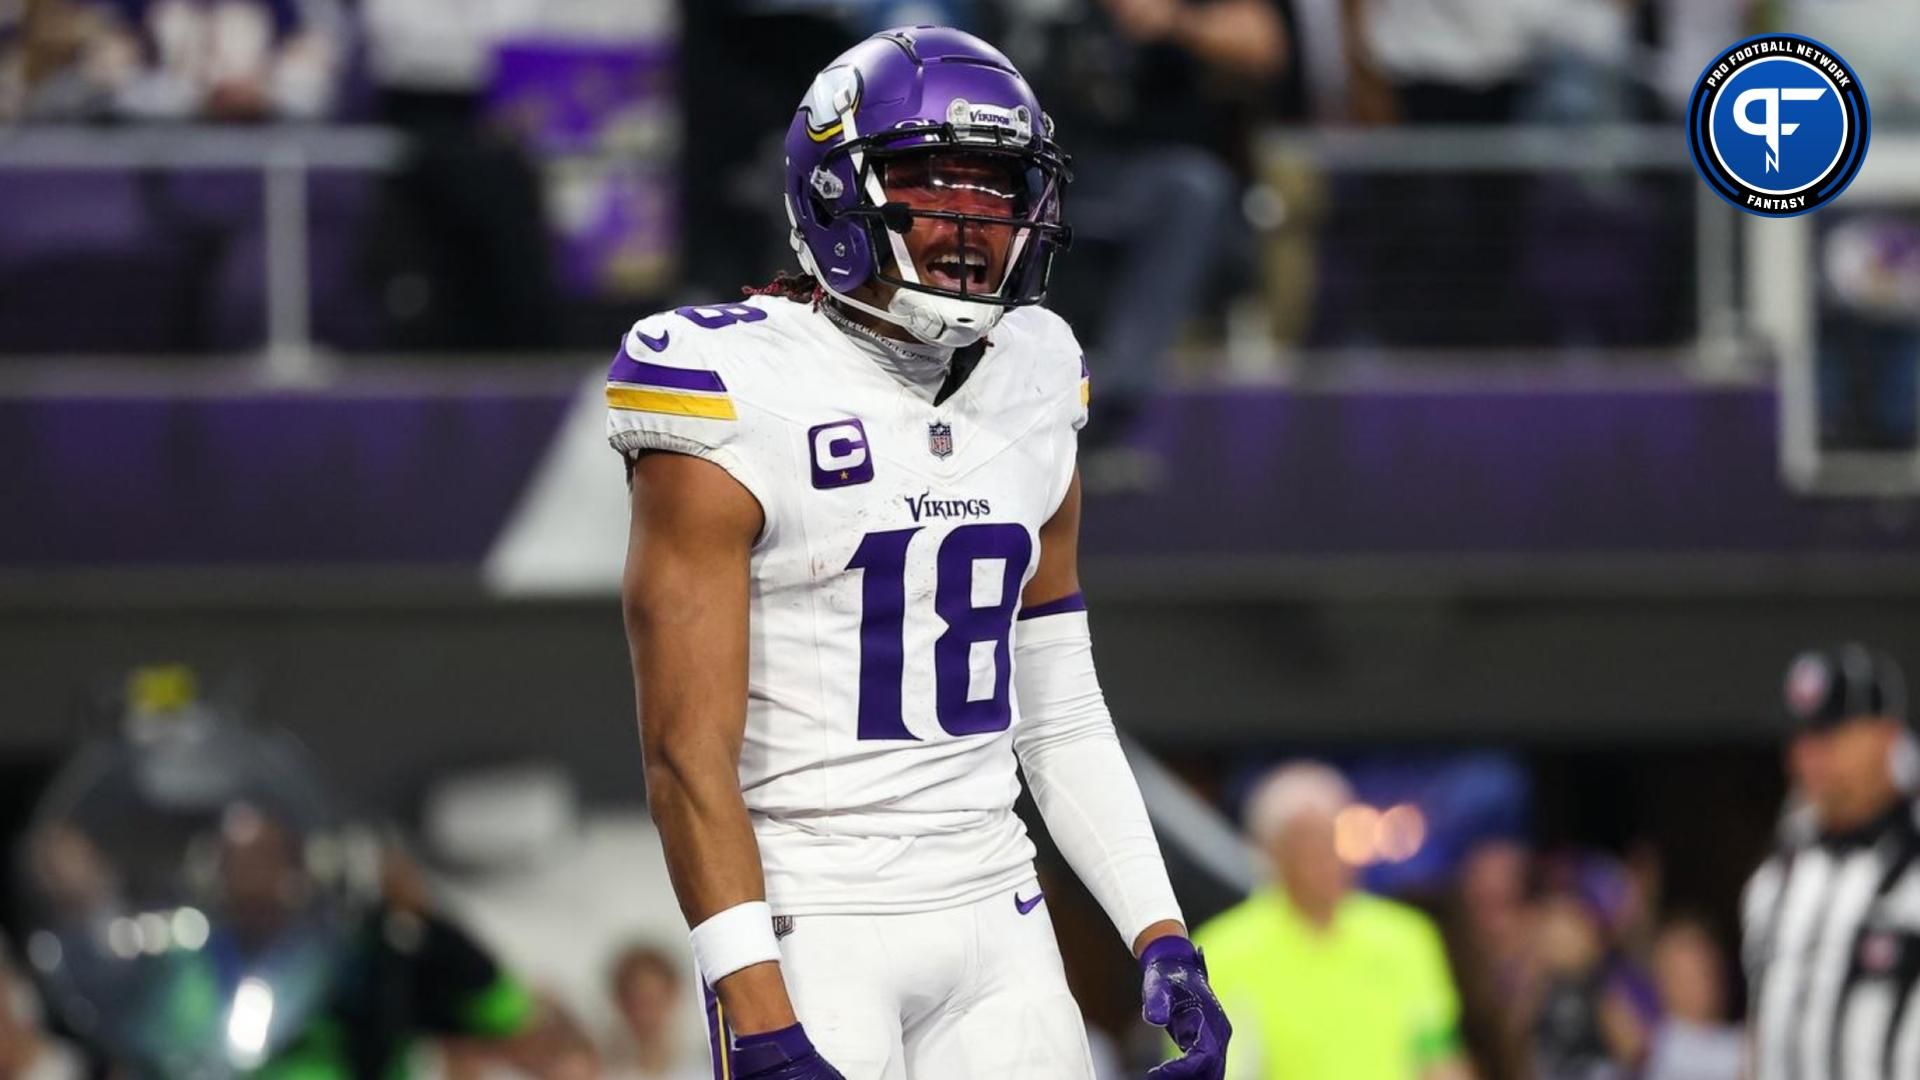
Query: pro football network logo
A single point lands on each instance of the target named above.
(1778, 125)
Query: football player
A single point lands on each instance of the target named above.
(852, 598)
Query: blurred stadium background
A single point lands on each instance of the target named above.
(1489, 455)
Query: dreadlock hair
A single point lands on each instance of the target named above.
(799, 288)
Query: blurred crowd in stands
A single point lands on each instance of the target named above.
(1572, 969)
(574, 163)
(1514, 963)
(534, 938)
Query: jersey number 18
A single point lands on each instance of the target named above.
(883, 597)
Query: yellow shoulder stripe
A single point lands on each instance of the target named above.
(1086, 391)
(670, 402)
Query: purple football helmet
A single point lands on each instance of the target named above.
(921, 90)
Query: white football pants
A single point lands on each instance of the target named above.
(966, 993)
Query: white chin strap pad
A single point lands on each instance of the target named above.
(942, 320)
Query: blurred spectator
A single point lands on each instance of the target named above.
(1868, 351)
(1582, 1025)
(415, 974)
(1449, 258)
(1323, 982)
(645, 986)
(461, 246)
(1489, 937)
(437, 47)
(1585, 1003)
(1620, 899)
(43, 47)
(1468, 62)
(1142, 95)
(27, 1051)
(311, 922)
(512, 847)
(1683, 34)
(1493, 889)
(174, 259)
(735, 115)
(1694, 1041)
(184, 60)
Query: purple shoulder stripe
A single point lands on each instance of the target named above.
(1085, 371)
(1069, 602)
(625, 369)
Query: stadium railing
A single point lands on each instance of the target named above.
(285, 158)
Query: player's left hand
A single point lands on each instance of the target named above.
(1175, 996)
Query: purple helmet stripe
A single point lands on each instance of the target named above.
(625, 369)
(1070, 602)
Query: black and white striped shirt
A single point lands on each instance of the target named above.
(1832, 949)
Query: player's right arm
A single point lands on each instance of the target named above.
(680, 410)
(685, 598)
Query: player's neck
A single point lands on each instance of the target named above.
(878, 334)
(919, 367)
(869, 322)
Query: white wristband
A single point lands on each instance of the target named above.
(732, 939)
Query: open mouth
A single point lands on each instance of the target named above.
(959, 268)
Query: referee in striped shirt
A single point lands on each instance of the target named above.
(1832, 920)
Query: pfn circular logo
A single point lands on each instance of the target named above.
(1778, 125)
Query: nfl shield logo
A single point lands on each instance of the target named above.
(1808, 684)
(940, 439)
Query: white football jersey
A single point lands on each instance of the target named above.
(878, 763)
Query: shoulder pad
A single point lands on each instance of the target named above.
(697, 381)
(1062, 362)
(683, 362)
(654, 374)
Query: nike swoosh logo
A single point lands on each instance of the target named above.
(658, 344)
(1028, 905)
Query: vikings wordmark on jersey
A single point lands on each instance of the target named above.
(878, 760)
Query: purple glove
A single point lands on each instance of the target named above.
(786, 1054)
(1175, 996)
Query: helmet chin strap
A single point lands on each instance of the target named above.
(942, 320)
(935, 320)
